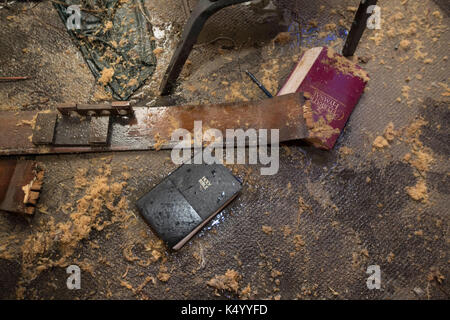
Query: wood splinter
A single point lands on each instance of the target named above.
(32, 190)
(20, 185)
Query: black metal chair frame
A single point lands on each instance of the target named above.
(206, 8)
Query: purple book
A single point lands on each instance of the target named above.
(332, 85)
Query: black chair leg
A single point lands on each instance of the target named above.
(201, 13)
(358, 26)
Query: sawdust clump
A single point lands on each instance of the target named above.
(106, 76)
(380, 142)
(319, 130)
(345, 151)
(419, 191)
(405, 44)
(345, 66)
(420, 158)
(267, 229)
(435, 275)
(389, 132)
(163, 275)
(227, 282)
(388, 136)
(298, 242)
(246, 292)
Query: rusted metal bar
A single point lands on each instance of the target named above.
(152, 128)
(13, 78)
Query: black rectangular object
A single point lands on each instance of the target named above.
(186, 200)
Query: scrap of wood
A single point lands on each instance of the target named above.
(20, 185)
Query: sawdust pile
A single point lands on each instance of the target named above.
(345, 151)
(267, 230)
(320, 129)
(380, 142)
(106, 76)
(163, 275)
(345, 66)
(419, 157)
(227, 282)
(299, 243)
(419, 191)
(388, 136)
(101, 195)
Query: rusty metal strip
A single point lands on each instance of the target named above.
(151, 128)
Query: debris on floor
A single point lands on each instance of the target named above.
(379, 197)
(116, 40)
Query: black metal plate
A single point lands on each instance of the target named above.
(44, 128)
(98, 132)
(72, 131)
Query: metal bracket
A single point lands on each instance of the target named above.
(119, 108)
(78, 125)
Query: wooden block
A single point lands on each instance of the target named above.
(36, 186)
(33, 196)
(16, 179)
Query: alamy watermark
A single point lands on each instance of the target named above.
(374, 21)
(74, 280)
(211, 147)
(74, 20)
(374, 280)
